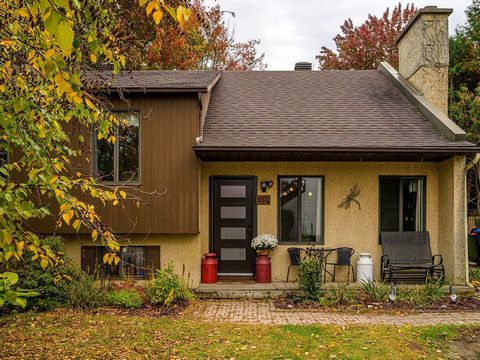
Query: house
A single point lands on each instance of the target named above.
(201, 145)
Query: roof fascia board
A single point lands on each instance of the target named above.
(153, 90)
(111, 87)
(435, 116)
(214, 82)
(204, 101)
(446, 150)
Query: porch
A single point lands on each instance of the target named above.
(311, 215)
(249, 289)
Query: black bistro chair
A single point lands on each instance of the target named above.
(294, 254)
(344, 258)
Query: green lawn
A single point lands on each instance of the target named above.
(62, 334)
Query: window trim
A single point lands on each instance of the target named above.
(100, 251)
(424, 199)
(7, 161)
(279, 213)
(7, 158)
(116, 151)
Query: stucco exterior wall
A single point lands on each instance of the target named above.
(423, 57)
(445, 214)
(182, 250)
(353, 227)
(452, 217)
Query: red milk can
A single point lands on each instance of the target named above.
(209, 268)
(263, 269)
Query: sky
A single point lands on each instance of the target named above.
(292, 31)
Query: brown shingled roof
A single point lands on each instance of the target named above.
(316, 109)
(153, 80)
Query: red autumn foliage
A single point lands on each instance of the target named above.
(364, 47)
(204, 43)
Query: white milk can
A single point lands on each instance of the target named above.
(364, 267)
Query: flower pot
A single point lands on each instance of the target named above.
(263, 252)
(263, 269)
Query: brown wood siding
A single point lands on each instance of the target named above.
(168, 128)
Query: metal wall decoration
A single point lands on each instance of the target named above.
(347, 202)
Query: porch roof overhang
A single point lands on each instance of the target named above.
(341, 154)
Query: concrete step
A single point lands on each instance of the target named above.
(252, 290)
(244, 290)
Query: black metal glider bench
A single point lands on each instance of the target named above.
(407, 257)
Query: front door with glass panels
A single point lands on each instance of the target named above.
(232, 211)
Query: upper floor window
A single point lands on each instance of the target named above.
(402, 203)
(3, 161)
(120, 162)
(3, 157)
(301, 208)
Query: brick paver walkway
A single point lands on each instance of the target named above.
(264, 312)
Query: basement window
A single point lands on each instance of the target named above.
(301, 209)
(3, 157)
(136, 262)
(119, 162)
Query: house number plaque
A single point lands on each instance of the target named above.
(262, 200)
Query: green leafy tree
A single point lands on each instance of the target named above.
(46, 47)
(9, 295)
(465, 51)
(464, 101)
(465, 73)
(464, 108)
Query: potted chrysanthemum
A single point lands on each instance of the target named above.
(263, 267)
(263, 243)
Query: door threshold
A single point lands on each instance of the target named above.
(235, 274)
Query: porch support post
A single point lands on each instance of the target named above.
(452, 218)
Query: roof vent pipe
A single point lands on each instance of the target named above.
(303, 66)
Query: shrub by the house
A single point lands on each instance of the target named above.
(422, 296)
(310, 276)
(83, 292)
(126, 298)
(167, 287)
(375, 291)
(51, 283)
(10, 294)
(474, 275)
(342, 294)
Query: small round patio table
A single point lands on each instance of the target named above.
(321, 254)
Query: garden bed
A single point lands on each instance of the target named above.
(174, 310)
(444, 304)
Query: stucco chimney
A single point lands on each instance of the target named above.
(423, 54)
